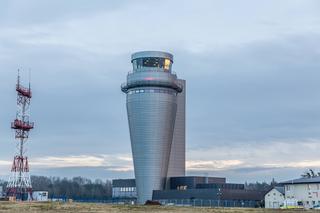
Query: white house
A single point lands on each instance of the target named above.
(305, 191)
(274, 198)
(40, 196)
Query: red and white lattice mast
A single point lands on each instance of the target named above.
(19, 184)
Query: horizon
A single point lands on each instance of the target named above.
(251, 70)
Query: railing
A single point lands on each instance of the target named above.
(23, 91)
(120, 201)
(184, 202)
(18, 124)
(149, 70)
(145, 83)
(211, 203)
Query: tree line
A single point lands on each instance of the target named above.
(86, 189)
(310, 173)
(74, 188)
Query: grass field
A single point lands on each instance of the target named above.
(90, 207)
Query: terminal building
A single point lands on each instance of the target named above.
(196, 191)
(124, 189)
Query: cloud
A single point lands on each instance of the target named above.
(103, 28)
(251, 67)
(255, 160)
(108, 162)
(305, 164)
(212, 165)
(5, 163)
(69, 161)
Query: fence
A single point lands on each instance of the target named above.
(212, 203)
(185, 202)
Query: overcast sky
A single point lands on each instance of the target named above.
(252, 70)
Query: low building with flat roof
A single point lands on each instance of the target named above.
(124, 188)
(197, 191)
(191, 182)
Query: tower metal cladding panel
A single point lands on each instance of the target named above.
(177, 163)
(151, 122)
(151, 106)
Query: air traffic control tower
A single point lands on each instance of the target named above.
(156, 116)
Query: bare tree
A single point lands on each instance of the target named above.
(310, 174)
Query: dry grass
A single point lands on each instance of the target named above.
(90, 207)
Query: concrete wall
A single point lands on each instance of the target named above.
(177, 162)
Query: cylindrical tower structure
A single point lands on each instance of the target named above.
(151, 90)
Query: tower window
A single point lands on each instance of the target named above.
(162, 63)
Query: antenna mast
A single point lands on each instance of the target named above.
(19, 185)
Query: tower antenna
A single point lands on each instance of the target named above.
(19, 184)
(29, 79)
(18, 79)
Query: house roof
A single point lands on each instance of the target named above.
(124, 183)
(280, 189)
(302, 180)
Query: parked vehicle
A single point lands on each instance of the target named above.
(316, 207)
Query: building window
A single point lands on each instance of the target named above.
(167, 64)
(288, 187)
(167, 91)
(134, 64)
(154, 62)
(182, 187)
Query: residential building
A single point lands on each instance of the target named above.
(274, 199)
(303, 191)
